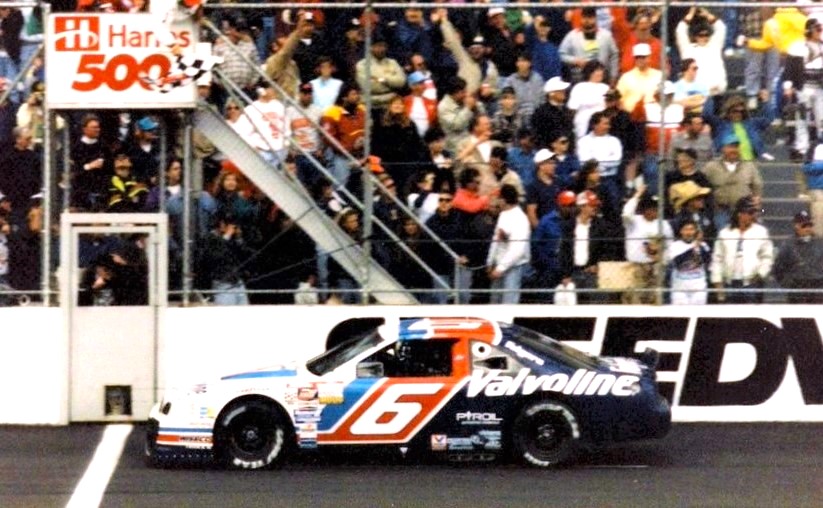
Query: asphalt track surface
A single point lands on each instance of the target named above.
(735, 465)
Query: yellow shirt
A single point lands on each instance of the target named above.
(635, 86)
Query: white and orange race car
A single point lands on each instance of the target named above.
(464, 388)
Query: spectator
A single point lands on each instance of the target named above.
(688, 91)
(799, 263)
(804, 74)
(552, 117)
(231, 202)
(545, 244)
(11, 24)
(268, 116)
(406, 269)
(419, 108)
(568, 165)
(641, 34)
(234, 66)
(144, 150)
(507, 118)
(310, 47)
(441, 159)
(219, 263)
(688, 258)
(656, 118)
(325, 87)
(91, 163)
(500, 40)
(303, 122)
(607, 150)
(20, 172)
(521, 156)
(742, 256)
(692, 136)
(397, 143)
(345, 122)
(545, 55)
(30, 113)
(527, 86)
(814, 179)
(468, 198)
(587, 43)
(685, 169)
(455, 110)
(342, 284)
(541, 194)
(351, 52)
(639, 83)
(734, 120)
(423, 197)
(281, 66)
(588, 96)
(690, 202)
(24, 250)
(630, 136)
(386, 75)
(414, 35)
(585, 243)
(503, 174)
(447, 225)
(476, 151)
(761, 53)
(732, 179)
(472, 65)
(419, 64)
(701, 35)
(647, 239)
(509, 253)
(126, 193)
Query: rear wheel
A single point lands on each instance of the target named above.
(545, 433)
(251, 435)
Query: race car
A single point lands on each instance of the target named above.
(460, 388)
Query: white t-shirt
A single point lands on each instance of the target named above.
(586, 98)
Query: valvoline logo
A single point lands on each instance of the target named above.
(77, 33)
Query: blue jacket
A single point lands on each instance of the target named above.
(754, 125)
(545, 56)
(814, 174)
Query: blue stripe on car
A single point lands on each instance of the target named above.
(352, 393)
(261, 374)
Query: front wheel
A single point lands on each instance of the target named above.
(251, 435)
(545, 433)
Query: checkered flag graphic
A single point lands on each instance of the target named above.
(185, 70)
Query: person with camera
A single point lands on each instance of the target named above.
(219, 263)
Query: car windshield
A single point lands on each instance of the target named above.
(342, 353)
(550, 347)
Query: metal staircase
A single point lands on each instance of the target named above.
(294, 200)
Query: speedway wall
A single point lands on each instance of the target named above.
(718, 363)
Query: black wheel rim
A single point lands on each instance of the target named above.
(547, 433)
(251, 435)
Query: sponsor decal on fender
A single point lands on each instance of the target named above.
(582, 382)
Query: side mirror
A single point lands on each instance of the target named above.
(369, 369)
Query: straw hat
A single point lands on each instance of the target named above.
(683, 192)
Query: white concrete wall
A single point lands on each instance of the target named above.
(201, 343)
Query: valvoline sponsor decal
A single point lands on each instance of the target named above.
(582, 382)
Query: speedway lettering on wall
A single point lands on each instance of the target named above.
(104, 56)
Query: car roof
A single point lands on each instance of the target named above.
(450, 328)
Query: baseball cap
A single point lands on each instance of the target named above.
(803, 217)
(147, 124)
(566, 198)
(729, 139)
(555, 84)
(587, 197)
(478, 41)
(494, 11)
(641, 49)
(416, 77)
(543, 155)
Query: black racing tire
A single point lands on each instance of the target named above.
(545, 434)
(251, 435)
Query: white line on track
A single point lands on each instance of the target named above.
(90, 490)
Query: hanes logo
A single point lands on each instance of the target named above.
(77, 33)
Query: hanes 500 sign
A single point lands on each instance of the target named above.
(119, 73)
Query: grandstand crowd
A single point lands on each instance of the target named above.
(536, 143)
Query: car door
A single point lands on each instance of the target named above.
(399, 389)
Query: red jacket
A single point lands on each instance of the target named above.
(430, 105)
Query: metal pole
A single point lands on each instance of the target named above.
(661, 150)
(46, 164)
(368, 190)
(163, 164)
(187, 210)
